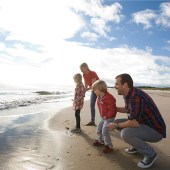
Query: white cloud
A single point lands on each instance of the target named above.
(149, 17)
(143, 66)
(65, 61)
(39, 21)
(165, 9)
(99, 26)
(43, 21)
(144, 17)
(2, 46)
(99, 15)
(95, 9)
(89, 35)
(164, 18)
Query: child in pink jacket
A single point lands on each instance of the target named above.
(78, 100)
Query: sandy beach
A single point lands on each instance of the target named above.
(43, 140)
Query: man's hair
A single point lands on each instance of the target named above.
(100, 85)
(126, 78)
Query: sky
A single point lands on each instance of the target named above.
(45, 41)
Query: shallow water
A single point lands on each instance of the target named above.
(23, 135)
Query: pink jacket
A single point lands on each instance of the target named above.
(79, 97)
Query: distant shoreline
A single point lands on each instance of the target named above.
(140, 87)
(151, 88)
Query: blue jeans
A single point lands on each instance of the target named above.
(103, 131)
(137, 137)
(93, 98)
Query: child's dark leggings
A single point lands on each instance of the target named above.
(77, 115)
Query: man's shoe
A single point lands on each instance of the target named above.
(147, 161)
(131, 150)
(97, 143)
(90, 124)
(108, 149)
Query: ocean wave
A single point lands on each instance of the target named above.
(26, 101)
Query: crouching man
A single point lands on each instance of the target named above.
(144, 123)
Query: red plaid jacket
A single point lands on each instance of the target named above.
(79, 96)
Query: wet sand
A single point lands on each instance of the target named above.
(43, 141)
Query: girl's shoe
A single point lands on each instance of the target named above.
(76, 130)
(90, 124)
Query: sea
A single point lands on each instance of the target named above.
(14, 97)
(24, 124)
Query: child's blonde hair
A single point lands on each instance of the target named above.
(100, 85)
(77, 78)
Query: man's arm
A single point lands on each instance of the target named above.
(121, 110)
(129, 123)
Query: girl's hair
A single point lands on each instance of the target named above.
(77, 78)
(85, 65)
(100, 85)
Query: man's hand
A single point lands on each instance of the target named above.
(112, 126)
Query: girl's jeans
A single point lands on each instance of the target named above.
(103, 131)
